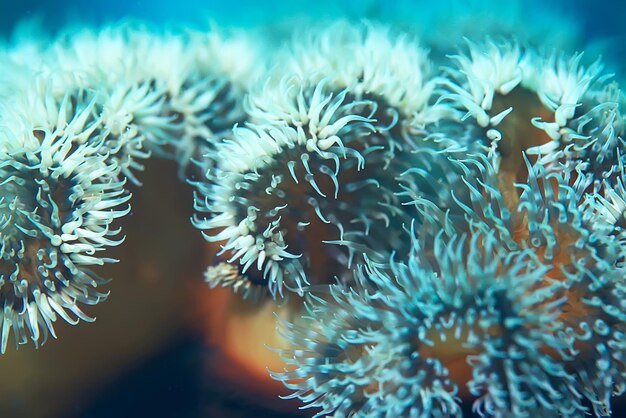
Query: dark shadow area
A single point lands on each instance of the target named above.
(167, 385)
(171, 384)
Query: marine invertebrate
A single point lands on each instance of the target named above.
(386, 352)
(509, 282)
(87, 110)
(481, 207)
(549, 105)
(170, 94)
(313, 176)
(60, 195)
(524, 312)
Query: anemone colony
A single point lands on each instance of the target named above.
(455, 228)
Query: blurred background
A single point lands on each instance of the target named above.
(157, 347)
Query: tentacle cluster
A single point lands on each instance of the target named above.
(464, 228)
(315, 170)
(169, 94)
(78, 117)
(60, 195)
(387, 352)
(522, 312)
(554, 107)
(516, 306)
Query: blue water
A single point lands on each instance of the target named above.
(602, 18)
(601, 21)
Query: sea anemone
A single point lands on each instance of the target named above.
(549, 105)
(388, 352)
(60, 194)
(309, 185)
(523, 313)
(79, 117)
(173, 94)
(455, 234)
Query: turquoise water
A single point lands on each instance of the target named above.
(596, 22)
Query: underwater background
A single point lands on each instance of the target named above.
(148, 353)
